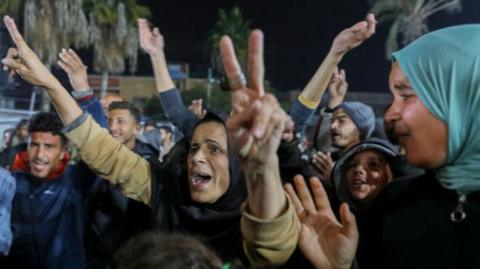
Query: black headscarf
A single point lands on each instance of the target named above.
(173, 209)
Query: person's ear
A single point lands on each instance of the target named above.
(137, 128)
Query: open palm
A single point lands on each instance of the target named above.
(151, 41)
(354, 36)
(324, 241)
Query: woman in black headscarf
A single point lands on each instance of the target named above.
(185, 205)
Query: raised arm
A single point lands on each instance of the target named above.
(103, 154)
(152, 42)
(311, 95)
(255, 128)
(345, 41)
(71, 63)
(21, 60)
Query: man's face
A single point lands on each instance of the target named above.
(367, 173)
(164, 135)
(22, 132)
(45, 151)
(344, 132)
(107, 100)
(122, 126)
(6, 137)
(208, 174)
(423, 136)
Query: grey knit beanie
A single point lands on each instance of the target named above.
(362, 115)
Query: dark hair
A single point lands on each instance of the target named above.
(156, 249)
(48, 123)
(210, 116)
(21, 123)
(127, 106)
(167, 128)
(150, 123)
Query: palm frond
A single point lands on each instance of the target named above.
(409, 18)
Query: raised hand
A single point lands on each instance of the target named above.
(337, 88)
(323, 163)
(196, 107)
(354, 36)
(151, 41)
(257, 118)
(243, 96)
(76, 70)
(23, 61)
(255, 128)
(325, 242)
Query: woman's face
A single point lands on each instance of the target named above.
(367, 174)
(422, 135)
(208, 172)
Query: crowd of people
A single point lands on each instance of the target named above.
(89, 187)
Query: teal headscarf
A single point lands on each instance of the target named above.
(444, 69)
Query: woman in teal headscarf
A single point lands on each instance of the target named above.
(430, 221)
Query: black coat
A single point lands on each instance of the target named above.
(410, 227)
(173, 210)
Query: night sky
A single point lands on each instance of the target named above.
(298, 35)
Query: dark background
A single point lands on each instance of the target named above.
(298, 35)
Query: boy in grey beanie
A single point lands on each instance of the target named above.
(362, 116)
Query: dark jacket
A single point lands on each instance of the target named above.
(173, 210)
(112, 218)
(411, 227)
(48, 220)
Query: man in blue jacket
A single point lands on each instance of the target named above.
(48, 208)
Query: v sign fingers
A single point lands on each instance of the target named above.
(256, 67)
(27, 65)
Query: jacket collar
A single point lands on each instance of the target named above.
(22, 164)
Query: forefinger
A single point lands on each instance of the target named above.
(320, 196)
(304, 194)
(229, 59)
(294, 198)
(256, 67)
(75, 56)
(13, 31)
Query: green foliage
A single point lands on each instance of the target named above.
(229, 23)
(11, 7)
(113, 34)
(105, 12)
(409, 18)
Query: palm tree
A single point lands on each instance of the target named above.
(409, 18)
(10, 7)
(49, 26)
(229, 23)
(114, 35)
